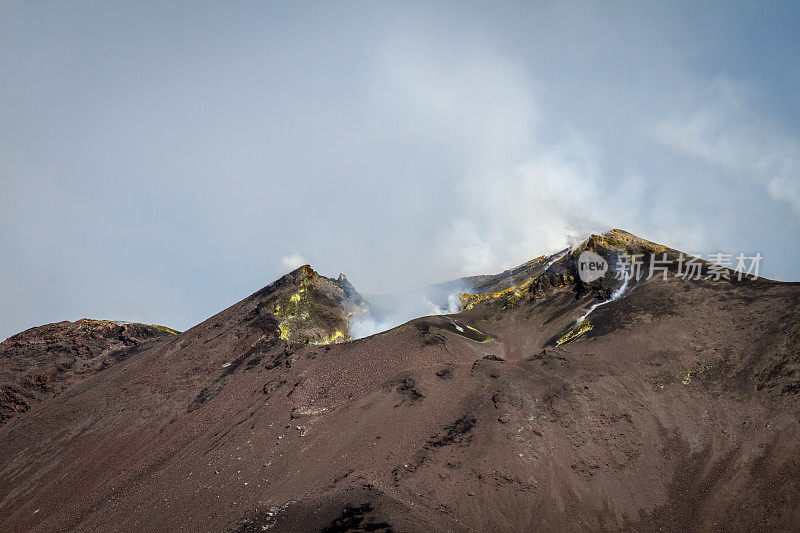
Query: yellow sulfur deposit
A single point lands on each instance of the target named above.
(574, 333)
(618, 239)
(304, 316)
(516, 292)
(293, 312)
(336, 336)
(687, 375)
(165, 328)
(468, 301)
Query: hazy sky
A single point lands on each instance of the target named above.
(160, 161)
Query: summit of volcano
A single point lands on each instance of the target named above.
(671, 405)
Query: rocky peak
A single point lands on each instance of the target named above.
(312, 309)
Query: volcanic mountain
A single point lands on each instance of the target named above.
(673, 405)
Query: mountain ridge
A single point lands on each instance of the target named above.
(40, 362)
(677, 409)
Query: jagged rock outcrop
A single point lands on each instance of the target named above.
(312, 309)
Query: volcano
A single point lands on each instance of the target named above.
(672, 407)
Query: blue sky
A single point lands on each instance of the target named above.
(160, 161)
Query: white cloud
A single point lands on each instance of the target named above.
(517, 194)
(292, 262)
(723, 132)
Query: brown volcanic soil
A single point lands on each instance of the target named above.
(678, 410)
(39, 363)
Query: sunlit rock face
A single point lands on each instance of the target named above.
(313, 309)
(537, 277)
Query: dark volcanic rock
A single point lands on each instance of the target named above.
(309, 308)
(41, 362)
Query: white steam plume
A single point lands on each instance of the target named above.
(292, 262)
(427, 301)
(614, 296)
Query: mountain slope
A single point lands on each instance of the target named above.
(39, 363)
(676, 410)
